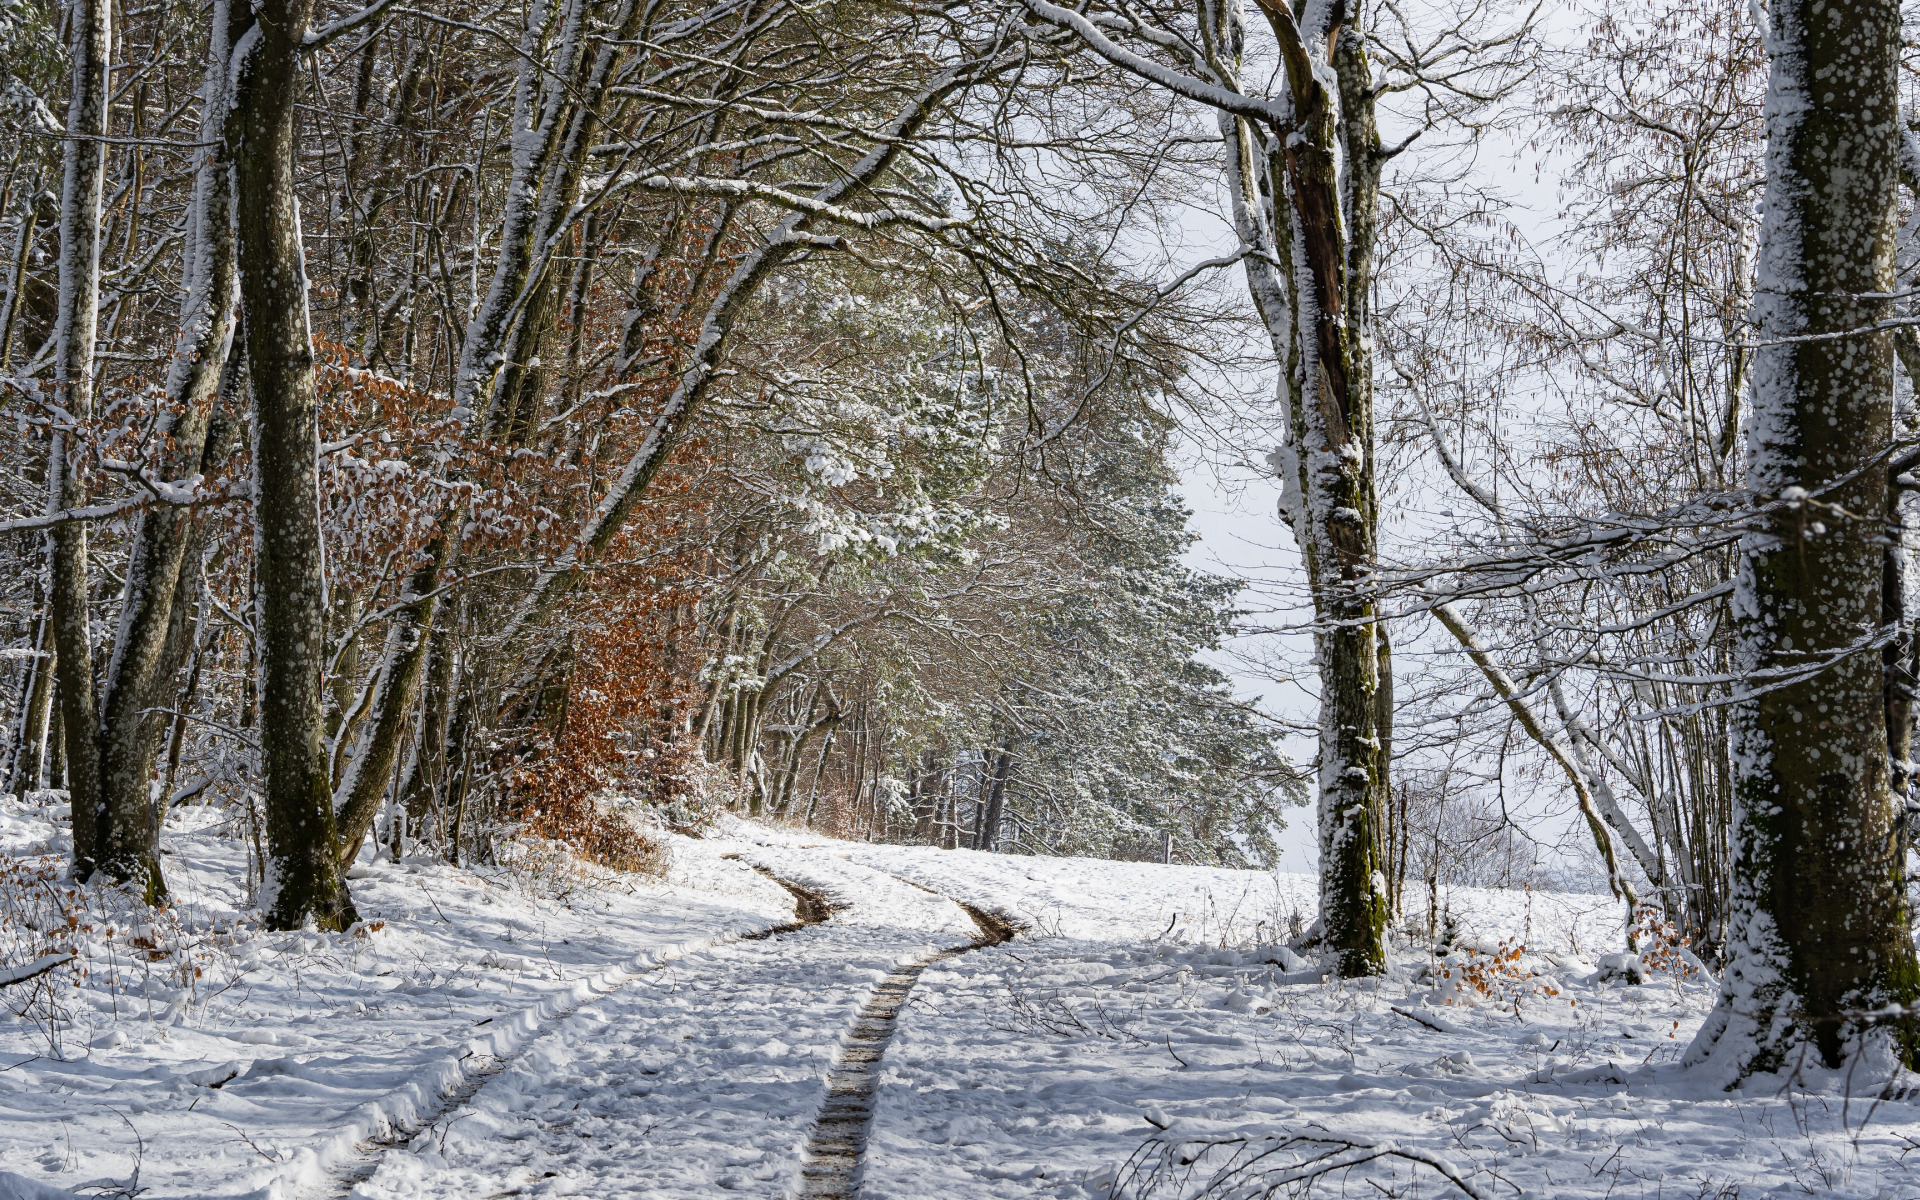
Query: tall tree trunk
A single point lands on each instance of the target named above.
(303, 881)
(75, 327)
(1818, 931)
(1328, 469)
(978, 833)
(425, 785)
(950, 821)
(1303, 170)
(36, 702)
(926, 804)
(148, 649)
(403, 664)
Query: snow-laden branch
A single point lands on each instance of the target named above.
(317, 38)
(1198, 90)
(1557, 747)
(33, 970)
(179, 495)
(746, 189)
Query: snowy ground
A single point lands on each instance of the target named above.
(544, 1030)
(1051, 1066)
(263, 1072)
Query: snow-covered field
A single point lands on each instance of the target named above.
(542, 1029)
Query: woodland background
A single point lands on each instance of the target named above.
(778, 407)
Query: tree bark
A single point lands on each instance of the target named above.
(75, 328)
(149, 647)
(1331, 459)
(403, 664)
(1818, 930)
(427, 775)
(996, 798)
(303, 881)
(30, 744)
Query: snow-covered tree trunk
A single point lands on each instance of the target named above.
(1303, 171)
(148, 647)
(539, 105)
(30, 740)
(75, 327)
(1819, 924)
(303, 880)
(1326, 169)
(403, 666)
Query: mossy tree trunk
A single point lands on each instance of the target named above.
(152, 640)
(1819, 926)
(75, 327)
(1326, 168)
(303, 879)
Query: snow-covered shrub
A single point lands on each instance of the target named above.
(1475, 974)
(1663, 948)
(106, 952)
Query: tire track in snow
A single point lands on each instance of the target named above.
(830, 1162)
(395, 1125)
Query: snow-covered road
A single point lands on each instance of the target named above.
(537, 1031)
(702, 1078)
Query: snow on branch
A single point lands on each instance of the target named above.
(748, 189)
(1199, 90)
(317, 38)
(33, 970)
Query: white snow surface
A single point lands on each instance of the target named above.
(542, 1028)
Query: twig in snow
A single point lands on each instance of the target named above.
(1226, 1165)
(432, 901)
(132, 1188)
(274, 1157)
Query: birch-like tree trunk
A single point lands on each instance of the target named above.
(1818, 932)
(75, 327)
(303, 880)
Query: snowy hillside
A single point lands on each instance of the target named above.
(538, 1028)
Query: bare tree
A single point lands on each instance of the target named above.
(302, 877)
(75, 329)
(1303, 164)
